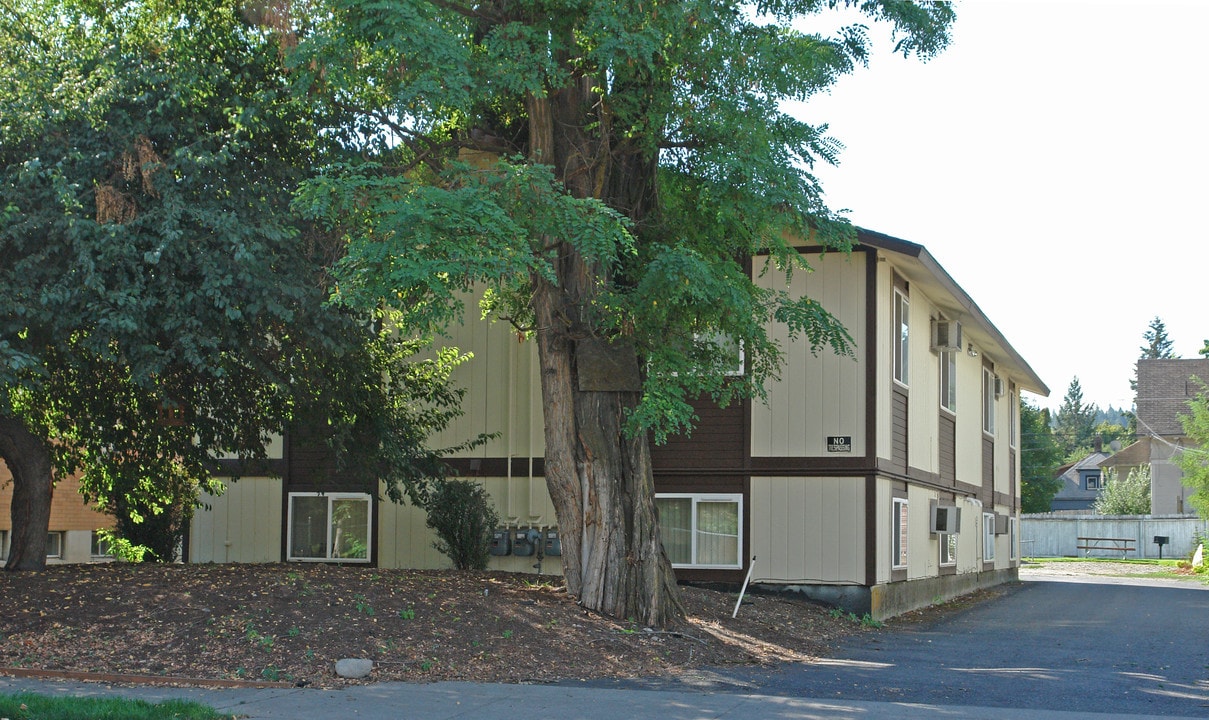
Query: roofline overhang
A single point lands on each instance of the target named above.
(922, 268)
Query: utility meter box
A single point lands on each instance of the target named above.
(501, 542)
(522, 544)
(554, 546)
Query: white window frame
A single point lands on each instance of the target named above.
(100, 548)
(948, 549)
(988, 401)
(329, 556)
(1013, 416)
(697, 498)
(902, 338)
(948, 381)
(988, 537)
(54, 545)
(1013, 552)
(899, 534)
(3, 544)
(1094, 481)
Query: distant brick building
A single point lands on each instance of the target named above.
(73, 523)
(1164, 389)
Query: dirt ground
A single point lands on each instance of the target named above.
(290, 623)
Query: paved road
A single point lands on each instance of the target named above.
(1083, 644)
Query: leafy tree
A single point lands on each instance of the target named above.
(1194, 459)
(160, 301)
(1158, 346)
(603, 170)
(1040, 457)
(1075, 423)
(1204, 351)
(1129, 496)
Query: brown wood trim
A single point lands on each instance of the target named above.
(272, 467)
(871, 546)
(1004, 499)
(968, 489)
(927, 478)
(495, 467)
(696, 575)
(809, 466)
(871, 369)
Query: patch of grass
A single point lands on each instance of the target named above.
(27, 706)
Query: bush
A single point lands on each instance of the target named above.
(463, 517)
(1130, 496)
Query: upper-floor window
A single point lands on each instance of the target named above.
(902, 329)
(1013, 410)
(988, 401)
(1095, 481)
(948, 380)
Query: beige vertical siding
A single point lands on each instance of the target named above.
(503, 392)
(821, 396)
(244, 524)
(808, 529)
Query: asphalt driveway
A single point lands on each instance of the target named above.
(1055, 641)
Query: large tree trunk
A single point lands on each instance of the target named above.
(29, 460)
(599, 479)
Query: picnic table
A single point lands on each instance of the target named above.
(1121, 545)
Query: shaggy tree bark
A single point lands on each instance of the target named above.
(29, 460)
(600, 479)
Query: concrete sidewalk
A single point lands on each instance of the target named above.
(474, 701)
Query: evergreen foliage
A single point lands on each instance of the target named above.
(1158, 346)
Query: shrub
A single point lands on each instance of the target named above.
(1130, 496)
(463, 517)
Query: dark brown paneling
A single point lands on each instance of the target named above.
(717, 443)
(948, 449)
(987, 493)
(311, 466)
(1012, 493)
(898, 430)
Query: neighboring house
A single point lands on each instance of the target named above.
(1082, 483)
(1164, 388)
(880, 482)
(73, 523)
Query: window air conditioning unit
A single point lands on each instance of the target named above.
(945, 520)
(1000, 387)
(1001, 524)
(946, 336)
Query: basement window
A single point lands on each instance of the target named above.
(329, 527)
(948, 549)
(54, 545)
(701, 531)
(899, 534)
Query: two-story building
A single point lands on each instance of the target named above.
(879, 482)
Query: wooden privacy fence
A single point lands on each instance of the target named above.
(1062, 534)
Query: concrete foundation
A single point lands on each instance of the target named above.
(887, 600)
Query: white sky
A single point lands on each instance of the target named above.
(1053, 159)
